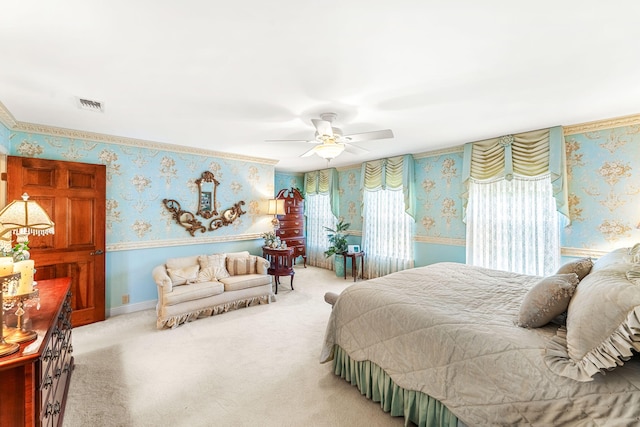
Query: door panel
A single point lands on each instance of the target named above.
(74, 196)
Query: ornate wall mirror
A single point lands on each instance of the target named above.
(207, 208)
(207, 186)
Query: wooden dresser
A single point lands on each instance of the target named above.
(34, 382)
(291, 228)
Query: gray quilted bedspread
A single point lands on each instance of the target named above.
(448, 330)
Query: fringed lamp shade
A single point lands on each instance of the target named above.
(25, 217)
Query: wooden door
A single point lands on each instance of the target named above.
(74, 196)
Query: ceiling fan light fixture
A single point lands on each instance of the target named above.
(329, 150)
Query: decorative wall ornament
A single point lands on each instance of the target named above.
(207, 208)
(506, 140)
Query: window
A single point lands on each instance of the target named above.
(513, 225)
(319, 215)
(388, 233)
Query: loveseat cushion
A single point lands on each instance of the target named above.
(235, 283)
(193, 291)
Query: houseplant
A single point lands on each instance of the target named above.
(337, 245)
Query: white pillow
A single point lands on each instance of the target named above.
(617, 259)
(184, 275)
(217, 263)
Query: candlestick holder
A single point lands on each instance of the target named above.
(10, 299)
(5, 347)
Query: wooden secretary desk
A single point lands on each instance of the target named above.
(291, 229)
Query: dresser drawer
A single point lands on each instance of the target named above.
(291, 223)
(293, 232)
(294, 241)
(294, 210)
(291, 217)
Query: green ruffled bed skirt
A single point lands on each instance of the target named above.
(373, 382)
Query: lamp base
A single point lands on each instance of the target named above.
(8, 348)
(275, 222)
(19, 335)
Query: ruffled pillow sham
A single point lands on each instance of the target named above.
(603, 322)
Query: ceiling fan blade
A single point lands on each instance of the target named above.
(354, 149)
(367, 136)
(308, 153)
(323, 127)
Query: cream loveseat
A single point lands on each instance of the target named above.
(204, 285)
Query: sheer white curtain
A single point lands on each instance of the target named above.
(319, 215)
(513, 225)
(387, 237)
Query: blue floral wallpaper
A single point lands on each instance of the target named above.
(439, 207)
(351, 197)
(604, 188)
(288, 181)
(138, 179)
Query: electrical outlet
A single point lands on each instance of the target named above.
(125, 299)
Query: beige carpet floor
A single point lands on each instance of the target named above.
(257, 366)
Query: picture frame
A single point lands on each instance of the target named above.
(353, 248)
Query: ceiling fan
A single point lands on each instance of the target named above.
(331, 142)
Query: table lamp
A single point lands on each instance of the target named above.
(276, 207)
(22, 218)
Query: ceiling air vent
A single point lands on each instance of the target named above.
(91, 105)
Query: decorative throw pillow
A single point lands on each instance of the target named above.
(184, 275)
(206, 275)
(217, 263)
(547, 299)
(581, 267)
(241, 265)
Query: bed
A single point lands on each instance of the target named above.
(441, 345)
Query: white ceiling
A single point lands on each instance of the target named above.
(227, 75)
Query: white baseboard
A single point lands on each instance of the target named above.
(131, 308)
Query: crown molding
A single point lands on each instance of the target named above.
(133, 142)
(617, 122)
(12, 124)
(444, 151)
(128, 246)
(6, 118)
